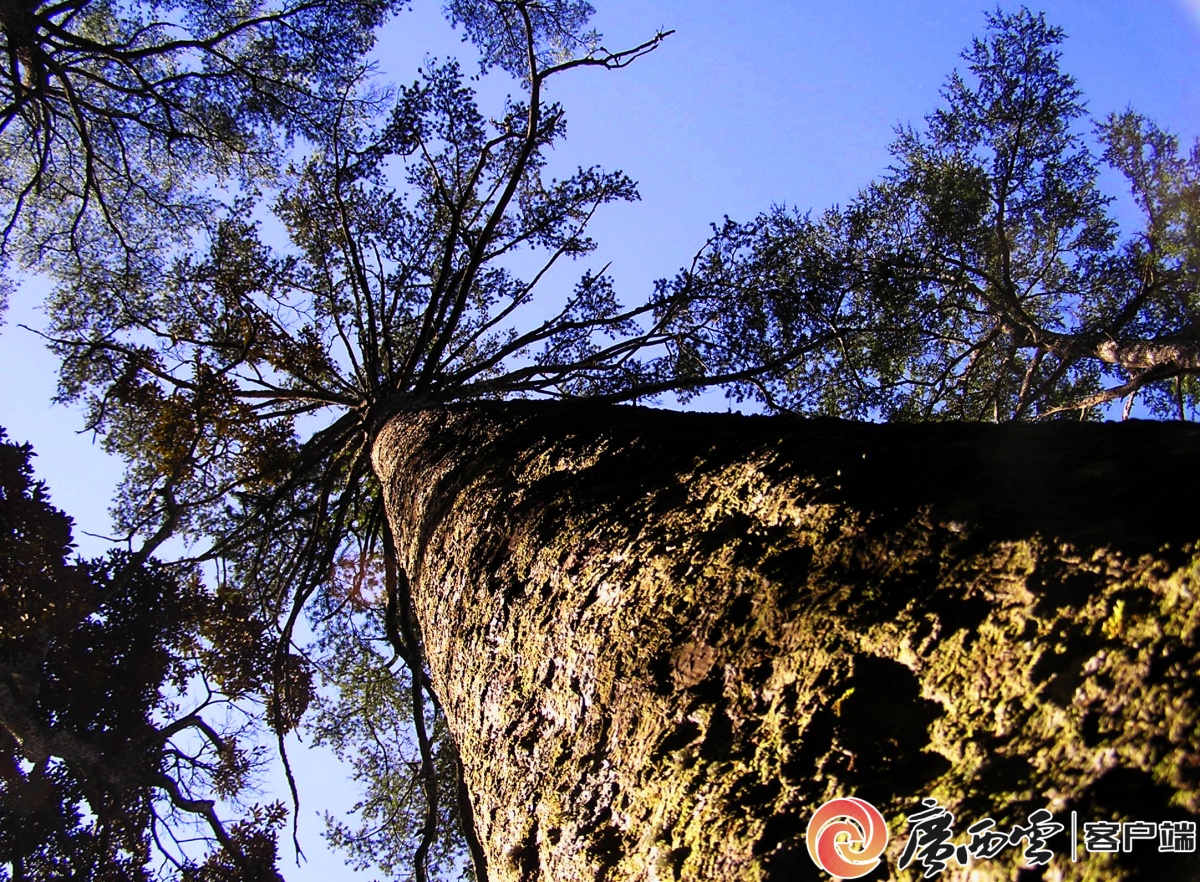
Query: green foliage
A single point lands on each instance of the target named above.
(981, 278)
(199, 373)
(497, 27)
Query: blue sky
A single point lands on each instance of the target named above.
(750, 103)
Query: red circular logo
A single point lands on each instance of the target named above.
(846, 837)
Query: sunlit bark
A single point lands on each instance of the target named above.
(662, 639)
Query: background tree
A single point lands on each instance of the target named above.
(366, 718)
(108, 757)
(981, 277)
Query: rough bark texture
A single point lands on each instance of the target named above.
(663, 639)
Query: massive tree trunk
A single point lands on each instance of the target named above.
(663, 639)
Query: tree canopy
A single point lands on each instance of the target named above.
(243, 377)
(115, 116)
(983, 276)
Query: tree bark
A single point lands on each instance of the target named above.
(663, 639)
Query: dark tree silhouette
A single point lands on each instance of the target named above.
(107, 758)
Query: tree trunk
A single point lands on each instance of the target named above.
(663, 639)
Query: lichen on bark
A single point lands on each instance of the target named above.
(662, 640)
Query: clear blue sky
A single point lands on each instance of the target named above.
(750, 103)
